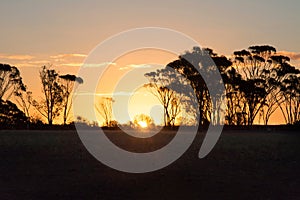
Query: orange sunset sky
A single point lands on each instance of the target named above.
(63, 33)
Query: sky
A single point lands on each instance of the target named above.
(64, 32)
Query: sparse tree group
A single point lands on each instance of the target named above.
(56, 90)
(257, 83)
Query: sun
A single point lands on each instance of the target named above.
(143, 124)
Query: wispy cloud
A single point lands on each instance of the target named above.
(123, 68)
(39, 62)
(87, 64)
(139, 66)
(68, 58)
(120, 93)
(25, 64)
(292, 55)
(72, 64)
(69, 55)
(135, 66)
(16, 57)
(98, 64)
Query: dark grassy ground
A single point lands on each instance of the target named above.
(243, 165)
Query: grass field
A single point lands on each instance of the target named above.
(243, 165)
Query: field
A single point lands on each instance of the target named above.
(243, 165)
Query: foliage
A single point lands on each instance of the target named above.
(50, 107)
(257, 82)
(10, 81)
(11, 116)
(67, 85)
(162, 85)
(192, 65)
(105, 110)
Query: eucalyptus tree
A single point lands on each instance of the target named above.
(185, 65)
(51, 106)
(10, 84)
(257, 67)
(10, 81)
(105, 109)
(158, 85)
(223, 65)
(24, 100)
(290, 106)
(68, 82)
(171, 89)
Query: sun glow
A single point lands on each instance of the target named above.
(143, 124)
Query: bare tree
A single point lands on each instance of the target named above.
(105, 109)
(67, 84)
(51, 106)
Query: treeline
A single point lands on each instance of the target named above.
(257, 83)
(56, 100)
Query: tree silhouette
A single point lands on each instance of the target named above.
(290, 88)
(24, 100)
(257, 82)
(11, 116)
(252, 65)
(191, 65)
(10, 81)
(229, 78)
(262, 71)
(10, 84)
(158, 86)
(105, 110)
(171, 90)
(52, 104)
(67, 85)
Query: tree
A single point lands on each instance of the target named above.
(229, 78)
(167, 86)
(174, 110)
(290, 107)
(67, 85)
(11, 116)
(262, 71)
(252, 65)
(105, 110)
(191, 65)
(10, 81)
(274, 78)
(24, 100)
(51, 106)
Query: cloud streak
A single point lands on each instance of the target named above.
(16, 57)
(135, 66)
(98, 65)
(292, 55)
(119, 93)
(70, 55)
(72, 64)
